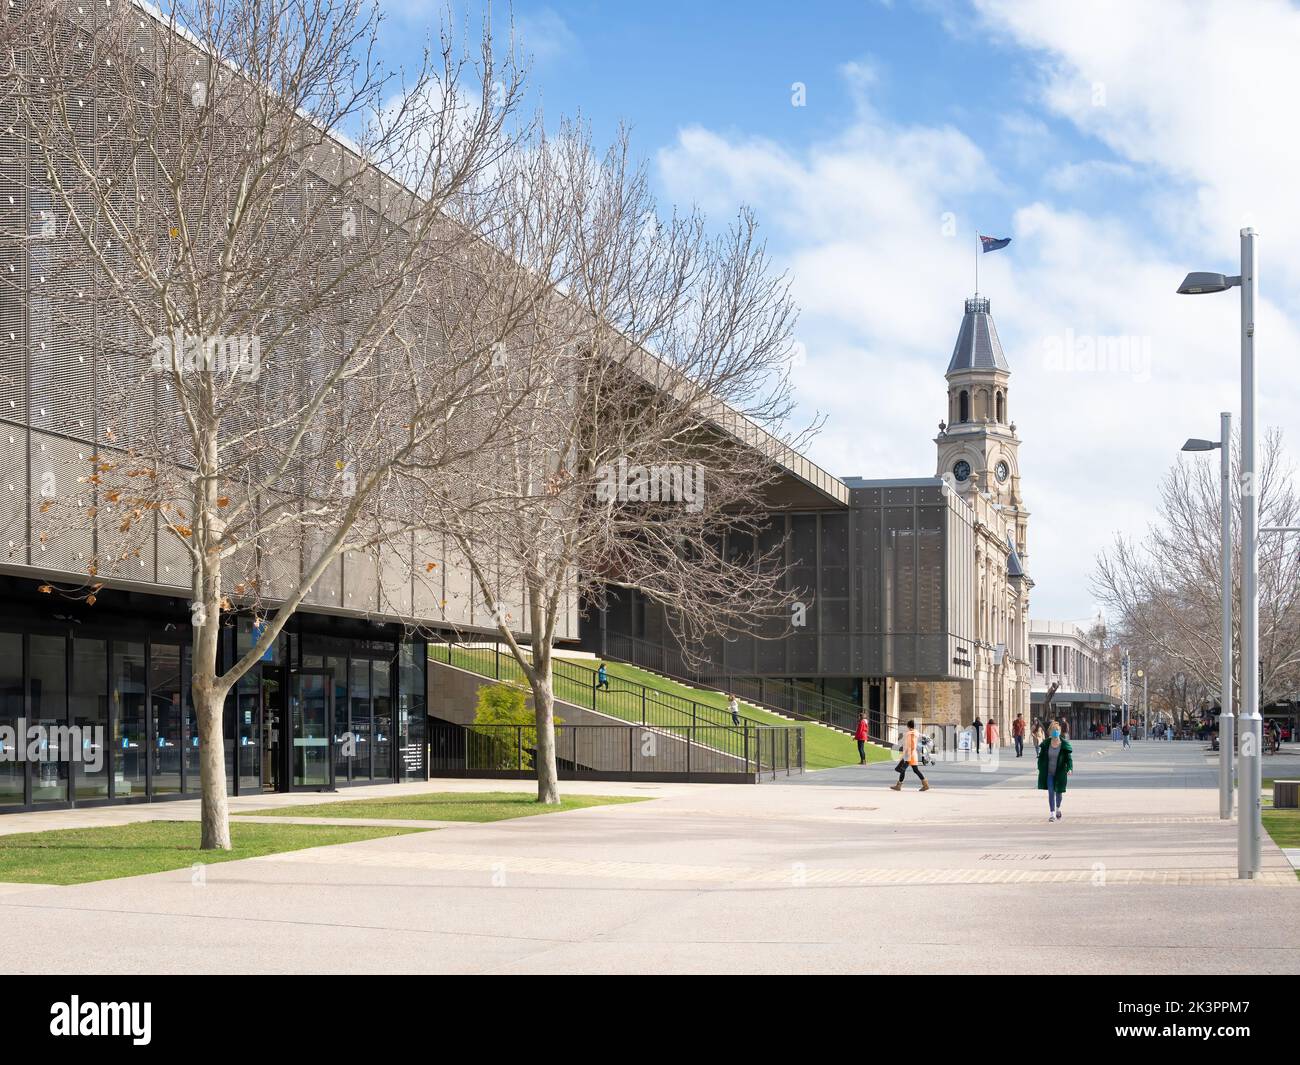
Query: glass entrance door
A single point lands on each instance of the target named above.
(311, 720)
(273, 738)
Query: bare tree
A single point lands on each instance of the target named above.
(649, 387)
(291, 332)
(1164, 590)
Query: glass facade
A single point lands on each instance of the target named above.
(12, 785)
(89, 705)
(168, 716)
(48, 702)
(130, 741)
(117, 723)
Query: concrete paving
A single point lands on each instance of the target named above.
(832, 872)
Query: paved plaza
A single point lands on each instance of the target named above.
(831, 872)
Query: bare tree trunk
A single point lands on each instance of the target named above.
(548, 778)
(212, 755)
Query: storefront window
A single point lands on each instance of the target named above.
(381, 673)
(11, 709)
(129, 733)
(49, 701)
(360, 700)
(337, 666)
(249, 729)
(412, 722)
(190, 736)
(90, 717)
(165, 694)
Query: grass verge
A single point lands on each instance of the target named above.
(824, 748)
(80, 855)
(1282, 825)
(447, 806)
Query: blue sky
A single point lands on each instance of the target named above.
(1069, 128)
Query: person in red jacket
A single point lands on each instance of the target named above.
(861, 736)
(1018, 734)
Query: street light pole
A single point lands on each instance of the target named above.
(1250, 806)
(1146, 710)
(1227, 722)
(1250, 809)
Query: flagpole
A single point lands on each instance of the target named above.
(977, 263)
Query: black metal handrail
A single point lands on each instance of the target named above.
(751, 751)
(580, 686)
(790, 698)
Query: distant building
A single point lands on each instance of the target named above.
(1060, 652)
(978, 455)
(913, 594)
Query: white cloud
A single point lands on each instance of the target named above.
(859, 222)
(1074, 177)
(1203, 94)
(544, 35)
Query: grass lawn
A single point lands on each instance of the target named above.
(79, 855)
(823, 747)
(447, 806)
(1282, 825)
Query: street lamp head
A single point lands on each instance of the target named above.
(1195, 444)
(1198, 282)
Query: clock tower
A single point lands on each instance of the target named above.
(979, 452)
(979, 457)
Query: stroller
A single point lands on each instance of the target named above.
(925, 750)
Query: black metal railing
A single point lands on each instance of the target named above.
(790, 698)
(610, 752)
(580, 685)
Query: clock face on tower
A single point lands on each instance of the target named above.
(1002, 470)
(962, 470)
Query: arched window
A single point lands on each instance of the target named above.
(963, 403)
(1002, 408)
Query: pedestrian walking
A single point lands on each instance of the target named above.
(861, 736)
(991, 734)
(978, 726)
(1055, 761)
(1124, 732)
(734, 707)
(1037, 736)
(602, 677)
(1018, 734)
(909, 747)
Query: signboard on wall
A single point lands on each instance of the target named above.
(412, 760)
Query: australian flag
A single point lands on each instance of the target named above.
(993, 243)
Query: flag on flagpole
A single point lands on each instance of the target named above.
(994, 243)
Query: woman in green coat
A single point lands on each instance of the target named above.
(1055, 761)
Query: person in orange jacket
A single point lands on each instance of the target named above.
(908, 747)
(991, 734)
(861, 736)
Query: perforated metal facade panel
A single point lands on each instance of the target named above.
(13, 494)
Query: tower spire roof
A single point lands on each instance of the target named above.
(978, 346)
